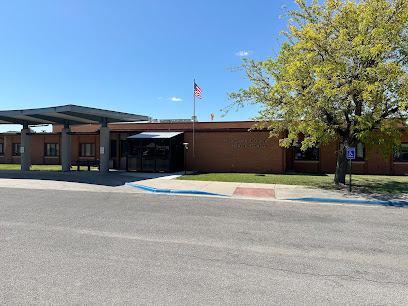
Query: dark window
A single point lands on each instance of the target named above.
(123, 148)
(1, 148)
(113, 150)
(52, 149)
(403, 156)
(162, 148)
(360, 151)
(16, 149)
(87, 150)
(134, 148)
(309, 154)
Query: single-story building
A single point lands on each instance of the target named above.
(218, 147)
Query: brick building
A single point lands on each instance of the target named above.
(219, 147)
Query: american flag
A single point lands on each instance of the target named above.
(197, 91)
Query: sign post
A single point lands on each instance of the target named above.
(351, 154)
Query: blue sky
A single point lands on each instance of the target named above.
(136, 56)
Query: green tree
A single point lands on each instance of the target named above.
(341, 74)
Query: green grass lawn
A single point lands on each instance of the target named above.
(362, 183)
(42, 167)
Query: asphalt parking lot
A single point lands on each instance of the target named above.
(66, 247)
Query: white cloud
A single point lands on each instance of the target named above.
(174, 99)
(242, 53)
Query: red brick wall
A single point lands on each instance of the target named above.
(235, 152)
(8, 141)
(306, 166)
(328, 156)
(76, 140)
(220, 147)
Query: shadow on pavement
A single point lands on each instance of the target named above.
(388, 196)
(394, 190)
(111, 179)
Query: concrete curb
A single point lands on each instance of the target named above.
(160, 190)
(350, 201)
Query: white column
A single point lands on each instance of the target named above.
(104, 148)
(66, 150)
(25, 149)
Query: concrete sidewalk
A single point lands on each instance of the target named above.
(129, 182)
(263, 191)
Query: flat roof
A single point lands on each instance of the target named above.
(66, 114)
(155, 135)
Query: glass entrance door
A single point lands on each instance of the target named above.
(152, 155)
(148, 155)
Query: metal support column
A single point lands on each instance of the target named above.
(66, 148)
(104, 147)
(25, 148)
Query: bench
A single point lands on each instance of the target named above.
(88, 163)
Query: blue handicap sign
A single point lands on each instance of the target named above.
(351, 153)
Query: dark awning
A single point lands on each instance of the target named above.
(66, 114)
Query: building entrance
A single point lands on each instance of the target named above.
(155, 152)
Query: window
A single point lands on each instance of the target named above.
(403, 156)
(113, 151)
(309, 154)
(133, 148)
(87, 149)
(1, 148)
(123, 148)
(52, 149)
(16, 149)
(360, 151)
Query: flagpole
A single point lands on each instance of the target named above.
(194, 128)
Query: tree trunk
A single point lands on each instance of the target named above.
(341, 166)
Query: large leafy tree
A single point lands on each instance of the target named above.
(341, 74)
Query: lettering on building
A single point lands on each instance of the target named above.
(247, 143)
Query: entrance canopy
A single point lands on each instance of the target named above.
(155, 151)
(155, 135)
(67, 115)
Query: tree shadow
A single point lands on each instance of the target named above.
(373, 189)
(383, 191)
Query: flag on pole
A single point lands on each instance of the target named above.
(197, 91)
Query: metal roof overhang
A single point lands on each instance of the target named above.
(66, 114)
(155, 135)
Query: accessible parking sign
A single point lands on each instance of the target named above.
(351, 153)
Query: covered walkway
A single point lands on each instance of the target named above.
(67, 115)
